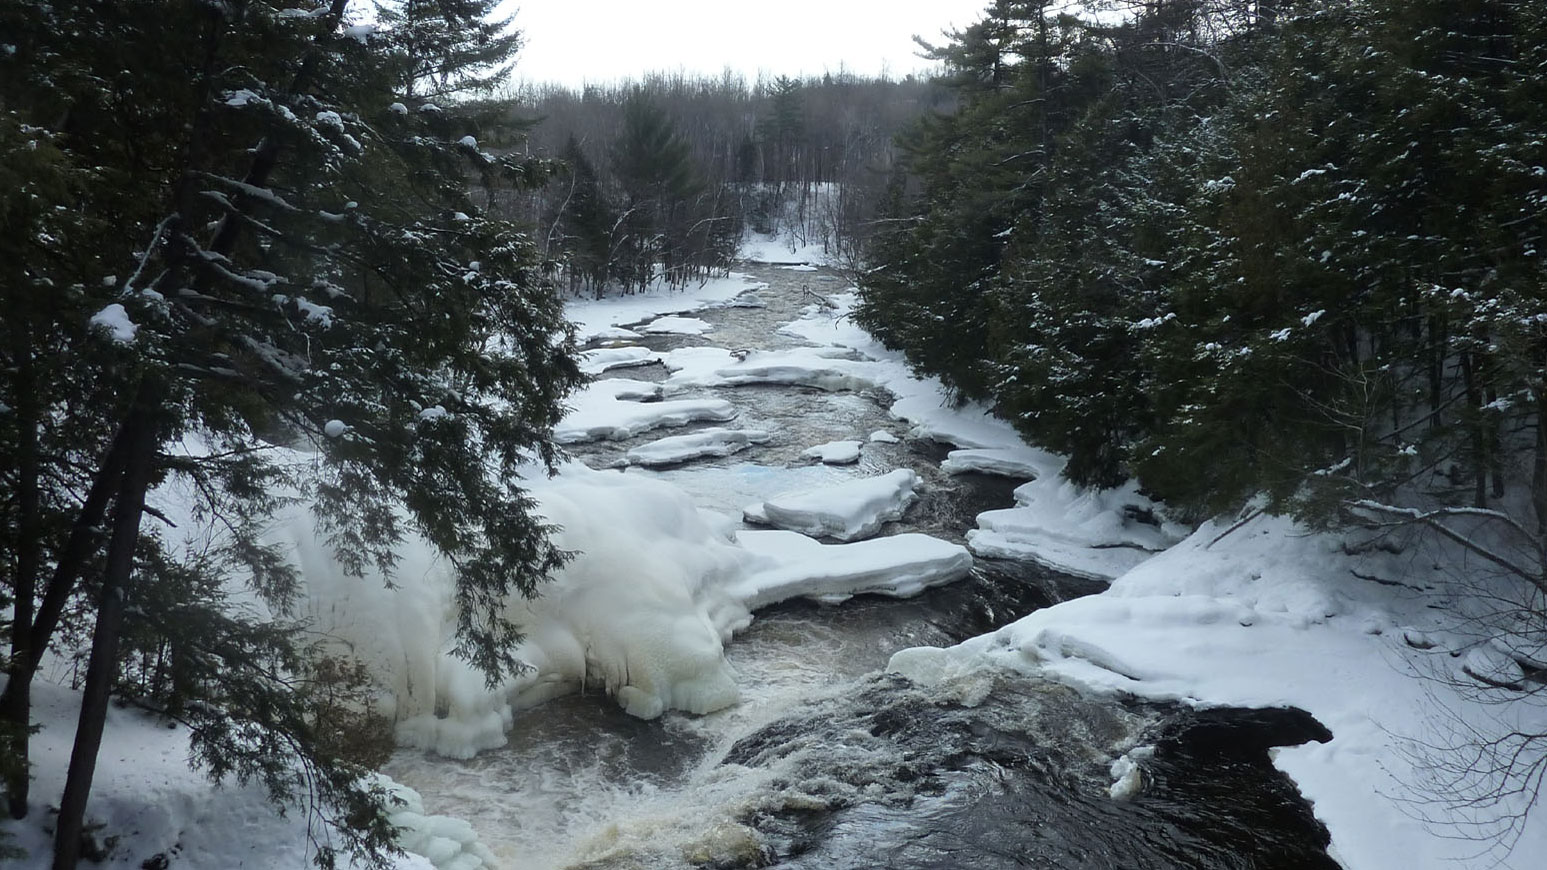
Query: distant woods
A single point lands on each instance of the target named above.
(660, 178)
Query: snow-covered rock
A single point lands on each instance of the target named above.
(609, 409)
(715, 441)
(674, 325)
(1018, 463)
(797, 566)
(846, 511)
(605, 359)
(834, 452)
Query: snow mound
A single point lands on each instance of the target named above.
(675, 325)
(1026, 463)
(609, 409)
(881, 436)
(695, 445)
(824, 368)
(605, 359)
(846, 511)
(797, 566)
(834, 452)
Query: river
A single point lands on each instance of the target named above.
(828, 762)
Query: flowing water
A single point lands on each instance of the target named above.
(828, 762)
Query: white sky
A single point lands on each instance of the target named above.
(577, 41)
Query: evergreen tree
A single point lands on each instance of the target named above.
(585, 221)
(238, 226)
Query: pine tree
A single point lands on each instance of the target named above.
(249, 224)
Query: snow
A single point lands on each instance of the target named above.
(115, 320)
(468, 142)
(674, 325)
(1271, 614)
(605, 359)
(881, 436)
(1023, 463)
(146, 796)
(898, 566)
(596, 318)
(714, 441)
(1089, 533)
(609, 409)
(846, 511)
(335, 428)
(834, 452)
(784, 248)
(830, 369)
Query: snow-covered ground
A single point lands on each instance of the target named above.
(1260, 613)
(1271, 614)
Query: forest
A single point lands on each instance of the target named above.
(1261, 259)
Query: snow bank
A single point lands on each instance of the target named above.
(794, 565)
(714, 441)
(846, 511)
(1271, 615)
(834, 452)
(1089, 533)
(609, 409)
(148, 800)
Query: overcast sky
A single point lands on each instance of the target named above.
(579, 41)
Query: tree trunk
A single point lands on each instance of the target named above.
(80, 545)
(129, 505)
(1479, 450)
(16, 715)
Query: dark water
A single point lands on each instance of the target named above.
(830, 763)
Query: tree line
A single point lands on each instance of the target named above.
(667, 172)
